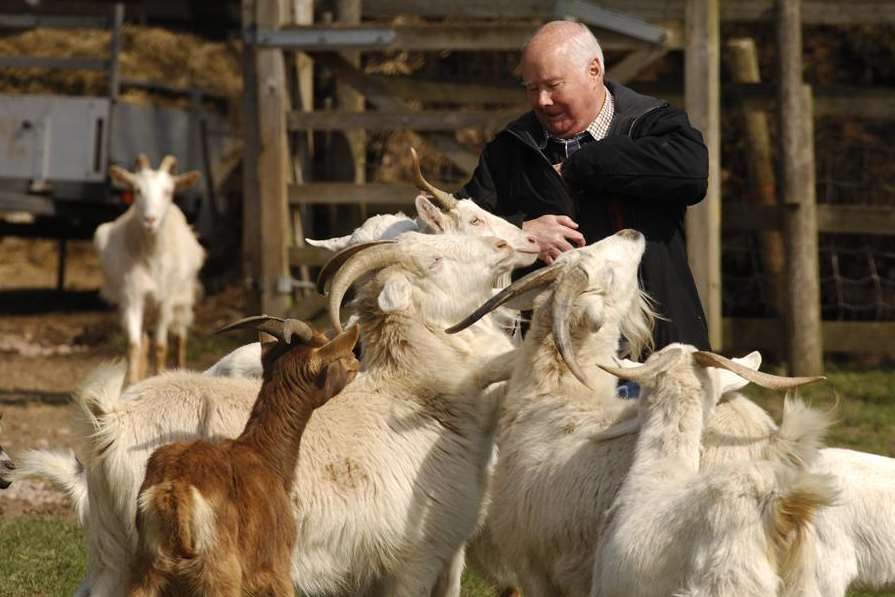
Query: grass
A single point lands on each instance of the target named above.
(44, 557)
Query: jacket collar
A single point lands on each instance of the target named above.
(629, 106)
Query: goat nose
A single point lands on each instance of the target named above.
(629, 234)
(531, 240)
(150, 220)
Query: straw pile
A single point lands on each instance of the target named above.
(148, 54)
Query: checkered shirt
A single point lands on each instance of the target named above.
(597, 129)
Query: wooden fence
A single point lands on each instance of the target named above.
(645, 29)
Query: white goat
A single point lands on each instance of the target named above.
(553, 481)
(6, 467)
(437, 212)
(391, 470)
(741, 530)
(150, 257)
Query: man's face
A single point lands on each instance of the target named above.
(565, 95)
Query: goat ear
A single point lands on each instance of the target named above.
(340, 346)
(335, 377)
(395, 295)
(122, 176)
(186, 180)
(334, 244)
(729, 381)
(433, 217)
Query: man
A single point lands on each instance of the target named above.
(592, 158)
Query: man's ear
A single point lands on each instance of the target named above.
(429, 213)
(395, 295)
(594, 68)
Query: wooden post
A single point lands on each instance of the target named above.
(251, 230)
(302, 13)
(744, 69)
(275, 283)
(703, 101)
(349, 12)
(804, 336)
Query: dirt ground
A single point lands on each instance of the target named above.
(50, 340)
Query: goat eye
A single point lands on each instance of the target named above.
(475, 222)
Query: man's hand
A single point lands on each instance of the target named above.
(555, 234)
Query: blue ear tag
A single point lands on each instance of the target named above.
(627, 390)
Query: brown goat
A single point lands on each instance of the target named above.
(214, 518)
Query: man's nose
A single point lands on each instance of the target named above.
(544, 98)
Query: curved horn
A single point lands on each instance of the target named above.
(765, 380)
(283, 330)
(654, 365)
(356, 266)
(572, 283)
(444, 200)
(141, 163)
(337, 260)
(169, 162)
(535, 279)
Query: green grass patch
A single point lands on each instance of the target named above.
(44, 557)
(40, 557)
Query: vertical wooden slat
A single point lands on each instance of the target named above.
(349, 12)
(796, 124)
(273, 169)
(251, 216)
(703, 93)
(762, 179)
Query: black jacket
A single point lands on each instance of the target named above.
(643, 175)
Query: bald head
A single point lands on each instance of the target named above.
(573, 39)
(562, 72)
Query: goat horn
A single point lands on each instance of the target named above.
(654, 365)
(169, 162)
(569, 286)
(536, 279)
(444, 200)
(356, 266)
(337, 260)
(283, 330)
(765, 380)
(141, 163)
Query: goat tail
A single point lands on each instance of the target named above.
(98, 395)
(792, 516)
(800, 436)
(176, 512)
(61, 468)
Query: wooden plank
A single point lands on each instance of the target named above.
(837, 219)
(60, 63)
(251, 216)
(457, 93)
(273, 169)
(350, 193)
(745, 334)
(380, 96)
(815, 12)
(743, 65)
(796, 126)
(429, 120)
(309, 256)
(458, 37)
(632, 64)
(32, 21)
(703, 101)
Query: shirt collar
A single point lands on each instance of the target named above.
(598, 129)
